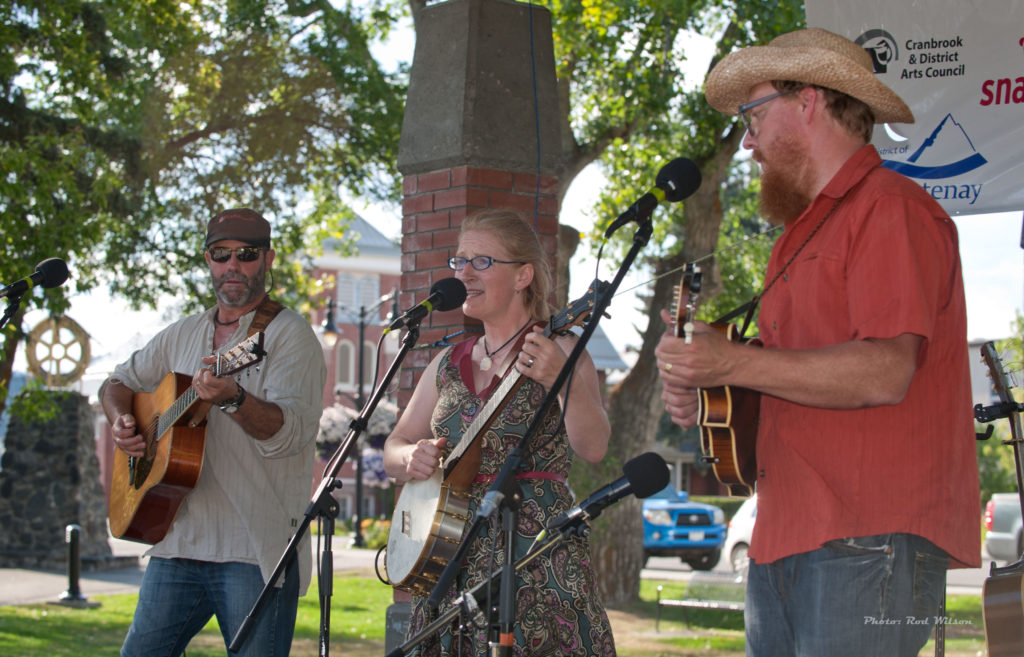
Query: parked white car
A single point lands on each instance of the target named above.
(1004, 531)
(737, 541)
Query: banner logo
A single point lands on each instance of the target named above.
(882, 48)
(939, 157)
(947, 141)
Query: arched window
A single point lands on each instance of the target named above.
(346, 366)
(368, 366)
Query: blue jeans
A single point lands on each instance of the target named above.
(179, 596)
(872, 595)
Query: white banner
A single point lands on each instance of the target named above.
(959, 65)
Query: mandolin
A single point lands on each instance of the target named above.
(727, 415)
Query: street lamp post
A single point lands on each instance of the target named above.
(364, 312)
(358, 537)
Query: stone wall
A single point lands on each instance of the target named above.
(49, 479)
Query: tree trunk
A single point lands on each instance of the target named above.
(634, 405)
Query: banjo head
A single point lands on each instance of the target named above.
(425, 533)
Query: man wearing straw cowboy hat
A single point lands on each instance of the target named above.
(866, 470)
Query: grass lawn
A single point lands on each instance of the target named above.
(357, 626)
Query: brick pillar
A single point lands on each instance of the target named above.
(482, 71)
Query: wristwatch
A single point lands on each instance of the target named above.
(231, 405)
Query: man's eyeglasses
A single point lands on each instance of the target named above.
(480, 263)
(748, 121)
(243, 253)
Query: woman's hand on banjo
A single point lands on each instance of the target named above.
(424, 457)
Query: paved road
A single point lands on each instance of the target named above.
(963, 581)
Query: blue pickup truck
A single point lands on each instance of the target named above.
(676, 527)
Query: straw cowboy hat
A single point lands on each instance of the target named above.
(813, 56)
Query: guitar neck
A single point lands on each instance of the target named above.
(177, 410)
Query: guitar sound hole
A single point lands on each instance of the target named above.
(142, 467)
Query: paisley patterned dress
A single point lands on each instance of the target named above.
(558, 607)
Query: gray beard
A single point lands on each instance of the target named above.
(252, 291)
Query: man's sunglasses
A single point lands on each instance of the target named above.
(243, 253)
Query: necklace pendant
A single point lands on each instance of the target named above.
(485, 363)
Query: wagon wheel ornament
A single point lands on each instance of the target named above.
(58, 351)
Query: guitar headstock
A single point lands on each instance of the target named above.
(245, 354)
(1007, 407)
(685, 307)
(578, 311)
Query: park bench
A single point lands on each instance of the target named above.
(707, 590)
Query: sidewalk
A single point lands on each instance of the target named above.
(22, 586)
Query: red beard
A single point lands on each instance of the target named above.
(784, 183)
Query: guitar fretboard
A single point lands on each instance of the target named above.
(174, 412)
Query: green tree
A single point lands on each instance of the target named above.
(124, 125)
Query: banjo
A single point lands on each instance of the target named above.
(431, 514)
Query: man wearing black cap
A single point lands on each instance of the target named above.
(866, 477)
(257, 468)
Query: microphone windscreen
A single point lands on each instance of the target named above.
(54, 271)
(678, 179)
(452, 292)
(647, 474)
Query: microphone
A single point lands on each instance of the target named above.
(677, 180)
(446, 294)
(51, 272)
(645, 476)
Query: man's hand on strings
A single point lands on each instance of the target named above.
(126, 435)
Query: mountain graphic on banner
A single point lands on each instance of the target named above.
(938, 155)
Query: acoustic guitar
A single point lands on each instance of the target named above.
(146, 492)
(1003, 591)
(727, 415)
(431, 514)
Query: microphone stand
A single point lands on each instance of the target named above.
(504, 490)
(13, 303)
(324, 505)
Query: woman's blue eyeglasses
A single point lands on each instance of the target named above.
(480, 263)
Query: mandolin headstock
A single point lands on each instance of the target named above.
(685, 306)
